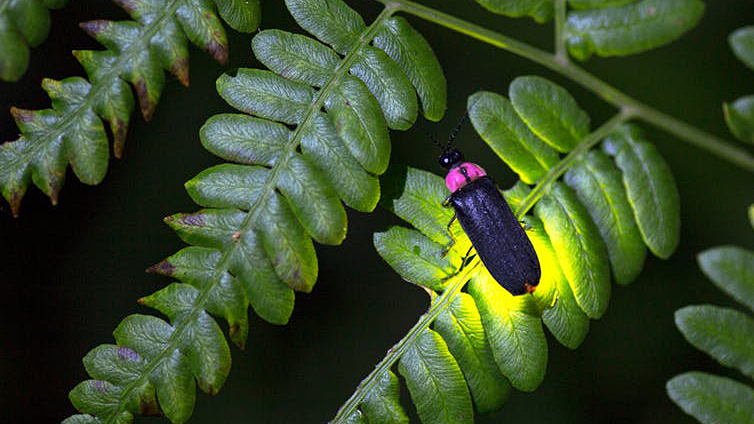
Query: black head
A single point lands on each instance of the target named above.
(450, 157)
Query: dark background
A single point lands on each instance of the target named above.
(70, 273)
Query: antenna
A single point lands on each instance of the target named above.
(434, 140)
(455, 132)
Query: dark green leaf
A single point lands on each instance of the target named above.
(359, 122)
(629, 29)
(241, 15)
(549, 111)
(382, 403)
(332, 21)
(322, 146)
(580, 250)
(435, 381)
(228, 185)
(498, 124)
(739, 116)
(742, 43)
(266, 95)
(287, 245)
(598, 185)
(731, 268)
(312, 200)
(244, 139)
(389, 85)
(415, 257)
(202, 27)
(14, 52)
(540, 10)
(712, 399)
(461, 327)
(295, 56)
(725, 334)
(415, 56)
(514, 331)
(650, 187)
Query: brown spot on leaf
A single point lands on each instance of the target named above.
(21, 115)
(127, 5)
(15, 202)
(180, 68)
(95, 27)
(236, 236)
(162, 268)
(148, 406)
(119, 128)
(218, 50)
(147, 106)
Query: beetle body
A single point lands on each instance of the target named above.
(496, 234)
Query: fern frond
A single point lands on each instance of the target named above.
(23, 25)
(581, 228)
(723, 333)
(318, 137)
(137, 52)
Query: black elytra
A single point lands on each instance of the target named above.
(495, 233)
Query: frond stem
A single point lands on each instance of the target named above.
(556, 171)
(398, 349)
(684, 131)
(561, 55)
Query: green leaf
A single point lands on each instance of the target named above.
(742, 43)
(599, 187)
(549, 111)
(241, 15)
(313, 201)
(499, 125)
(228, 185)
(389, 85)
(514, 332)
(590, 4)
(712, 399)
(580, 250)
(332, 21)
(266, 95)
(629, 29)
(731, 268)
(30, 18)
(739, 116)
(321, 145)
(650, 187)
(417, 196)
(414, 55)
(14, 51)
(562, 314)
(461, 327)
(751, 215)
(435, 381)
(244, 139)
(358, 121)
(295, 56)
(415, 257)
(382, 403)
(539, 10)
(725, 334)
(95, 397)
